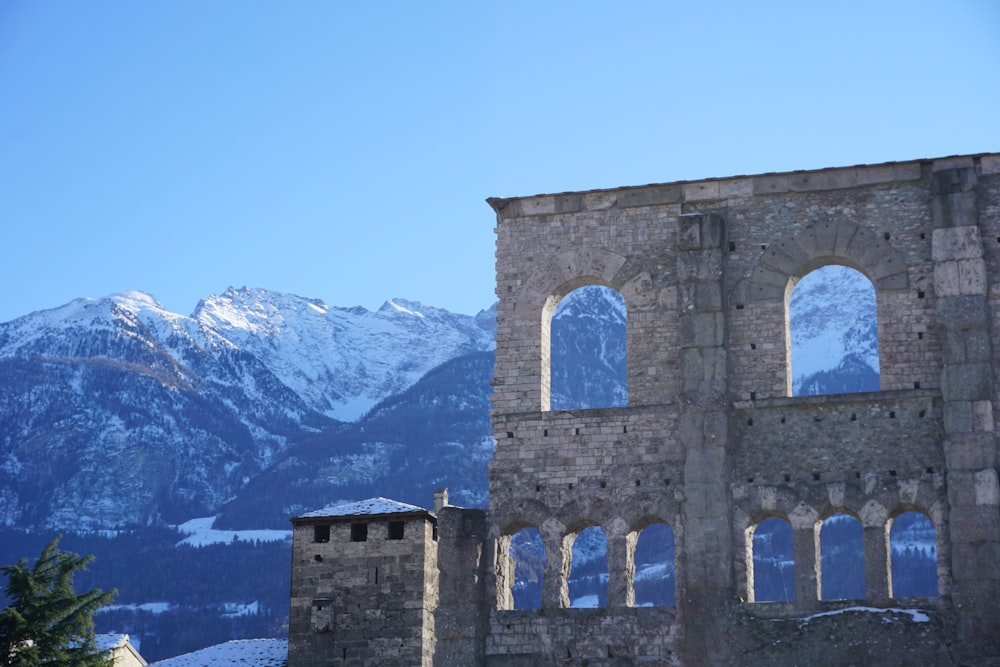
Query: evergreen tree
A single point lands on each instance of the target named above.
(46, 622)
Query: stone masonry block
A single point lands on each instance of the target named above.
(954, 243)
(712, 230)
(970, 451)
(958, 417)
(736, 187)
(786, 257)
(987, 488)
(845, 232)
(708, 296)
(982, 416)
(689, 232)
(953, 176)
(704, 190)
(962, 312)
(955, 210)
(972, 276)
(977, 345)
(946, 279)
(967, 382)
(975, 524)
(538, 205)
(990, 164)
(897, 281)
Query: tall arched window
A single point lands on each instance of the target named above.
(587, 350)
(654, 581)
(842, 558)
(773, 563)
(588, 579)
(833, 331)
(527, 555)
(913, 556)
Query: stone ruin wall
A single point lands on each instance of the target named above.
(712, 443)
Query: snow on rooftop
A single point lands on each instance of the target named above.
(245, 652)
(108, 641)
(364, 508)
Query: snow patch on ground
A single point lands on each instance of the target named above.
(148, 607)
(916, 615)
(200, 533)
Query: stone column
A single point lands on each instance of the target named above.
(703, 429)
(621, 565)
(805, 549)
(558, 560)
(960, 287)
(876, 563)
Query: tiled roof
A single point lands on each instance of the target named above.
(243, 652)
(369, 507)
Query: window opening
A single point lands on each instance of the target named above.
(654, 581)
(772, 572)
(587, 345)
(359, 532)
(588, 579)
(527, 558)
(321, 533)
(833, 332)
(396, 530)
(913, 556)
(842, 558)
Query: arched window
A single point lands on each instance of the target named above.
(588, 351)
(527, 559)
(772, 572)
(842, 558)
(913, 556)
(654, 581)
(588, 579)
(833, 331)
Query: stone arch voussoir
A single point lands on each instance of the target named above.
(559, 275)
(845, 243)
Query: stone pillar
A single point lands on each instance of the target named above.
(621, 565)
(875, 521)
(703, 430)
(805, 550)
(555, 587)
(876, 563)
(967, 390)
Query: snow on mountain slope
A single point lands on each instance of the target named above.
(832, 319)
(117, 412)
(341, 361)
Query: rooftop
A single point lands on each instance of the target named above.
(364, 508)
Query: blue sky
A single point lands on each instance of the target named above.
(344, 151)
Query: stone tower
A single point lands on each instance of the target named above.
(364, 586)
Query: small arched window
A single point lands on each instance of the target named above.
(913, 556)
(773, 563)
(654, 581)
(588, 579)
(842, 558)
(833, 333)
(527, 560)
(587, 349)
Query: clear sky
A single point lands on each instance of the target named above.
(344, 150)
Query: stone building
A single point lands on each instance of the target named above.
(712, 441)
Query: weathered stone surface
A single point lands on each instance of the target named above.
(711, 442)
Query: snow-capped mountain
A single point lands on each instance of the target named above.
(117, 412)
(834, 333)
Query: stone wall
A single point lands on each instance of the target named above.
(712, 443)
